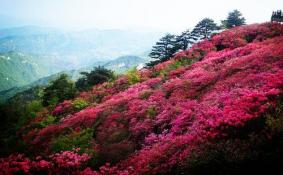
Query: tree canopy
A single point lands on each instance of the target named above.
(204, 29)
(184, 40)
(163, 49)
(234, 19)
(168, 45)
(96, 76)
(58, 90)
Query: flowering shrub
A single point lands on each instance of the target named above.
(63, 108)
(65, 162)
(15, 164)
(219, 101)
(69, 162)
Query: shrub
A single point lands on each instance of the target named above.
(64, 162)
(49, 120)
(63, 108)
(80, 104)
(97, 76)
(133, 76)
(33, 107)
(59, 90)
(81, 139)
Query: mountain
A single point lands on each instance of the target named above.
(10, 22)
(19, 69)
(36, 52)
(26, 31)
(124, 63)
(75, 49)
(31, 77)
(213, 109)
(119, 65)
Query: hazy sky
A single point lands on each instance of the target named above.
(161, 15)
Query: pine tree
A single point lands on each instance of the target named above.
(163, 50)
(184, 40)
(277, 16)
(234, 19)
(204, 29)
(97, 76)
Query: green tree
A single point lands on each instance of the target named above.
(163, 50)
(97, 76)
(184, 40)
(58, 90)
(204, 29)
(234, 19)
(277, 16)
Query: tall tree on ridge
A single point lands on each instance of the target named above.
(204, 29)
(277, 16)
(163, 50)
(234, 19)
(184, 40)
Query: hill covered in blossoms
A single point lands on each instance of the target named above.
(213, 109)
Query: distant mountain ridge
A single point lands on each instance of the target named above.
(79, 48)
(19, 69)
(38, 52)
(118, 65)
(124, 63)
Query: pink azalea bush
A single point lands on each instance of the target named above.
(65, 107)
(65, 162)
(180, 114)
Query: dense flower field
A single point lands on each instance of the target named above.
(221, 98)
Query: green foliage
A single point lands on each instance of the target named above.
(15, 114)
(204, 29)
(80, 104)
(151, 112)
(173, 66)
(118, 136)
(277, 16)
(49, 120)
(168, 45)
(234, 19)
(145, 94)
(80, 139)
(184, 40)
(185, 61)
(275, 120)
(33, 107)
(59, 90)
(163, 50)
(97, 76)
(18, 69)
(27, 113)
(133, 76)
(53, 101)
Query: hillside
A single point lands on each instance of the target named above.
(213, 109)
(10, 88)
(18, 69)
(42, 52)
(124, 63)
